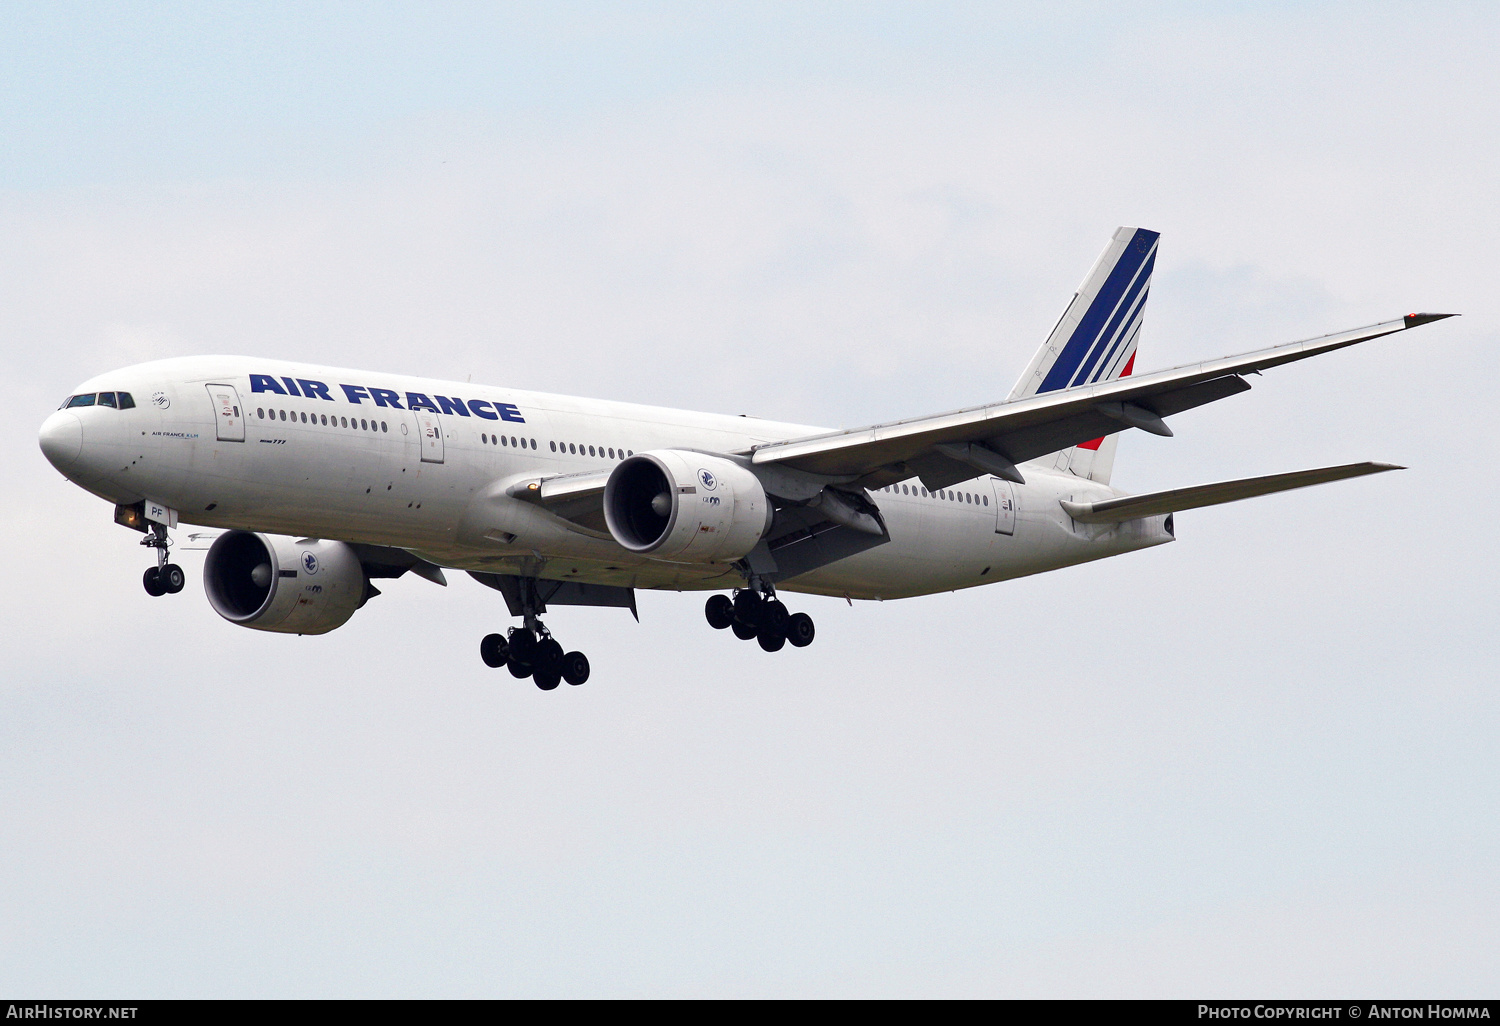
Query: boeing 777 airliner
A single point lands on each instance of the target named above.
(324, 480)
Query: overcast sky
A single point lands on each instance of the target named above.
(1260, 761)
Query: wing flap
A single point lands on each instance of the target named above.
(1133, 507)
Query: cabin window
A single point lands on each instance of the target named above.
(127, 401)
(106, 399)
(81, 400)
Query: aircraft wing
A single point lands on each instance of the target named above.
(1150, 504)
(951, 447)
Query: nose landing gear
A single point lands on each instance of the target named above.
(756, 612)
(164, 578)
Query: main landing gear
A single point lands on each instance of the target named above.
(164, 578)
(531, 651)
(753, 614)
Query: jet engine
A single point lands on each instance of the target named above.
(273, 583)
(686, 507)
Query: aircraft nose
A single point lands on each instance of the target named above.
(61, 440)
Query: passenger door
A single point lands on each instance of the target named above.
(429, 435)
(1005, 506)
(229, 421)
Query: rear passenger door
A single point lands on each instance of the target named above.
(1005, 506)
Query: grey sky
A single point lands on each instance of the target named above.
(1257, 761)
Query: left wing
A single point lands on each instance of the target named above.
(951, 447)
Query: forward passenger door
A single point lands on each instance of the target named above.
(429, 435)
(229, 422)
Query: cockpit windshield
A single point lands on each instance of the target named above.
(119, 400)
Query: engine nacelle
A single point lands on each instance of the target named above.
(686, 507)
(274, 583)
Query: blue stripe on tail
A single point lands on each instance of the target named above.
(1114, 301)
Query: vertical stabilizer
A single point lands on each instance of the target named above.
(1095, 340)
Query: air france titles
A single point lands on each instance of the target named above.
(358, 395)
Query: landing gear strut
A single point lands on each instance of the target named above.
(531, 651)
(756, 612)
(164, 578)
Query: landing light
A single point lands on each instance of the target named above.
(133, 517)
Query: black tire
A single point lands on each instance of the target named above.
(172, 578)
(522, 645)
(770, 641)
(547, 680)
(151, 581)
(743, 631)
(773, 616)
(799, 630)
(747, 606)
(518, 669)
(575, 668)
(494, 650)
(548, 659)
(720, 611)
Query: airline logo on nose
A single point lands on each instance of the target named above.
(307, 388)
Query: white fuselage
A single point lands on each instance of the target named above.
(424, 465)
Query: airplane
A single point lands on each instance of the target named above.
(324, 480)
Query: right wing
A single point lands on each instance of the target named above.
(951, 447)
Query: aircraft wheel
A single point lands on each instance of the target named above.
(773, 615)
(523, 645)
(172, 578)
(547, 680)
(770, 640)
(519, 669)
(747, 606)
(548, 660)
(575, 668)
(151, 580)
(720, 611)
(743, 631)
(493, 650)
(799, 630)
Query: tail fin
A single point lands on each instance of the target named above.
(1095, 339)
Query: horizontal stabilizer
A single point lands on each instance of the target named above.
(1133, 507)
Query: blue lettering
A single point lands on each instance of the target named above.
(418, 401)
(453, 406)
(355, 393)
(510, 413)
(475, 404)
(385, 397)
(265, 383)
(291, 387)
(314, 389)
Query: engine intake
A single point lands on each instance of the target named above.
(274, 583)
(686, 507)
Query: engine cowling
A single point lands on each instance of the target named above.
(273, 583)
(686, 507)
